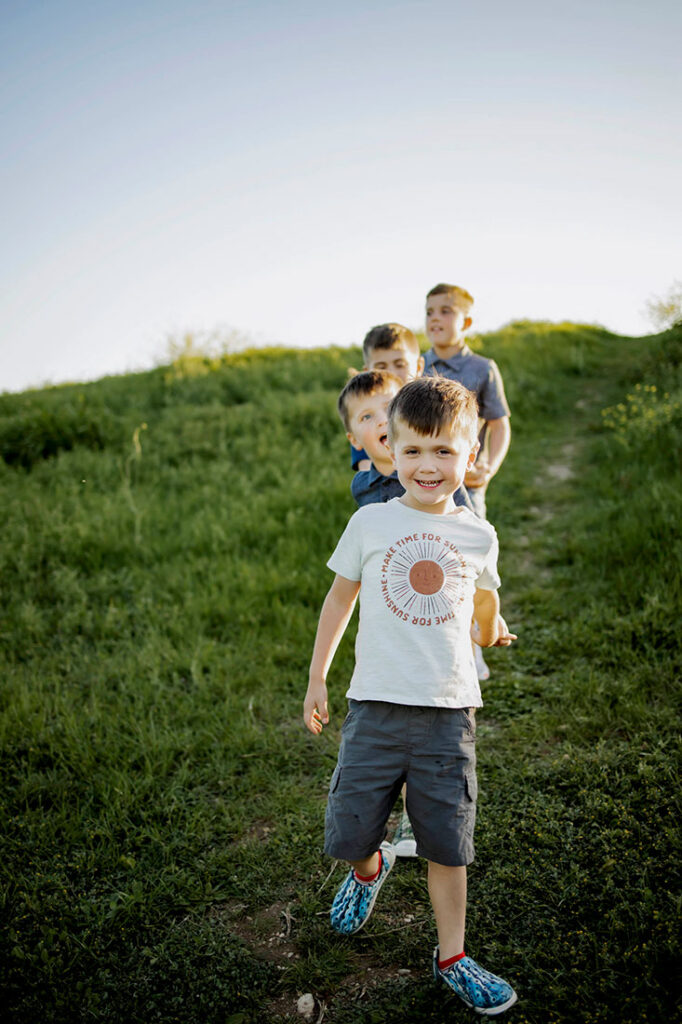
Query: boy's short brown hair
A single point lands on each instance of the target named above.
(460, 297)
(369, 382)
(389, 336)
(431, 404)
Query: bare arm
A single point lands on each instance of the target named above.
(498, 445)
(336, 612)
(499, 438)
(491, 629)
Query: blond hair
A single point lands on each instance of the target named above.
(387, 336)
(459, 297)
(369, 382)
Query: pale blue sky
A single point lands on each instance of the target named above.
(299, 173)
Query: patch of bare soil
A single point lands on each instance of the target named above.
(561, 469)
(267, 932)
(541, 515)
(259, 832)
(270, 933)
(355, 988)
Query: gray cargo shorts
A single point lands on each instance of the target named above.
(383, 745)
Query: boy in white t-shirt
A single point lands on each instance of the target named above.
(424, 568)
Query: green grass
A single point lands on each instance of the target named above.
(163, 564)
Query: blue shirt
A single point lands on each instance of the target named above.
(370, 487)
(476, 373)
(357, 455)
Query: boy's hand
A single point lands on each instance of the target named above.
(504, 637)
(315, 713)
(478, 475)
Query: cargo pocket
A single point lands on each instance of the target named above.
(470, 718)
(336, 778)
(471, 784)
(471, 790)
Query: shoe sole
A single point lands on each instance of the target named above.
(494, 1010)
(484, 1011)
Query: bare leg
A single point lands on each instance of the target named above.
(368, 866)
(448, 892)
(482, 670)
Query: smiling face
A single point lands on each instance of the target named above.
(400, 360)
(369, 425)
(446, 323)
(426, 577)
(431, 467)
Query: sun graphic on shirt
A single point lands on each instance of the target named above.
(425, 578)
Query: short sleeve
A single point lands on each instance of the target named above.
(360, 487)
(347, 557)
(492, 399)
(489, 578)
(356, 456)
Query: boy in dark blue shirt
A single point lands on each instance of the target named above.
(393, 348)
(362, 407)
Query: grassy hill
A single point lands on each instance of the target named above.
(163, 563)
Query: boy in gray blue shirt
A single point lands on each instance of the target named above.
(448, 318)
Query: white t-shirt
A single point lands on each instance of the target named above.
(418, 573)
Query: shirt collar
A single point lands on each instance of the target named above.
(375, 475)
(453, 362)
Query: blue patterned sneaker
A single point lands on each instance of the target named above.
(482, 991)
(404, 843)
(354, 901)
